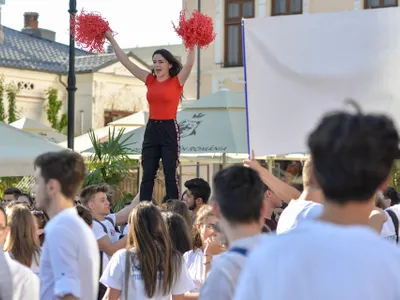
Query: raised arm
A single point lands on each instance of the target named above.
(284, 191)
(124, 59)
(187, 68)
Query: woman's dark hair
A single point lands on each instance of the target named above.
(393, 195)
(176, 64)
(179, 232)
(180, 208)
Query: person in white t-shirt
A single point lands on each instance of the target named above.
(69, 265)
(22, 243)
(337, 256)
(150, 268)
(6, 285)
(240, 207)
(307, 205)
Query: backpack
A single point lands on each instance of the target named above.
(395, 220)
(103, 288)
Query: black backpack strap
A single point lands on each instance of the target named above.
(112, 222)
(102, 225)
(239, 250)
(395, 220)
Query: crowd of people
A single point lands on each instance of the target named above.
(335, 239)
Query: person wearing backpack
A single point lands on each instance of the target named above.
(96, 199)
(240, 208)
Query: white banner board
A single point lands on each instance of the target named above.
(300, 67)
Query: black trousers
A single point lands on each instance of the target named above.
(161, 141)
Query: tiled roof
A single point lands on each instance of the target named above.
(23, 51)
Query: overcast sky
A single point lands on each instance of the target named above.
(137, 22)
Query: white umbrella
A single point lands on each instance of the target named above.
(211, 125)
(19, 152)
(137, 119)
(40, 129)
(129, 123)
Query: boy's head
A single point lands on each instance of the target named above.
(239, 195)
(353, 155)
(197, 193)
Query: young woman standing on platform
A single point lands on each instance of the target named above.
(162, 138)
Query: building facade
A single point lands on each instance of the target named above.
(221, 64)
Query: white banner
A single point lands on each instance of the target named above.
(300, 67)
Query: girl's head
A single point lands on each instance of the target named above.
(165, 64)
(180, 208)
(22, 241)
(148, 234)
(204, 226)
(40, 222)
(179, 232)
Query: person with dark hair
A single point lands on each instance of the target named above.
(272, 202)
(180, 208)
(353, 154)
(70, 262)
(240, 208)
(149, 267)
(179, 231)
(198, 192)
(393, 195)
(85, 214)
(11, 194)
(26, 199)
(162, 136)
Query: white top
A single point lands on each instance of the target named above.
(194, 260)
(223, 277)
(322, 261)
(6, 285)
(99, 232)
(25, 282)
(388, 232)
(35, 267)
(114, 277)
(70, 259)
(298, 211)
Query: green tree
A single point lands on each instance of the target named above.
(2, 109)
(12, 92)
(53, 108)
(110, 162)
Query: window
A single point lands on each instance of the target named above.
(235, 10)
(380, 3)
(114, 115)
(287, 7)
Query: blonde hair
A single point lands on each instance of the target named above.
(22, 242)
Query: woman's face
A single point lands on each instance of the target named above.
(207, 228)
(161, 66)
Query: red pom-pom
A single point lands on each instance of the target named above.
(198, 30)
(88, 30)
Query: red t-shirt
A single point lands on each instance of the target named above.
(163, 97)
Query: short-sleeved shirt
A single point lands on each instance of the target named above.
(225, 272)
(114, 277)
(163, 97)
(70, 262)
(296, 212)
(99, 232)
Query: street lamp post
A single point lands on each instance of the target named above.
(71, 88)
